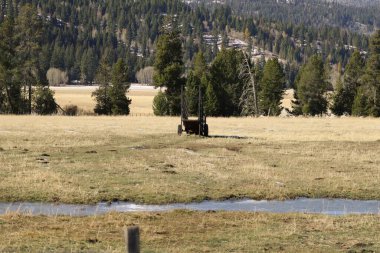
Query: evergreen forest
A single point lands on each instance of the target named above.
(51, 42)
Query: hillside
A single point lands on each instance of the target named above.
(359, 16)
(77, 34)
(359, 3)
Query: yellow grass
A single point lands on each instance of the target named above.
(142, 159)
(81, 96)
(184, 231)
(287, 99)
(141, 100)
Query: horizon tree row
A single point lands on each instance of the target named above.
(77, 34)
(227, 93)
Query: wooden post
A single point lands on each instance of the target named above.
(132, 239)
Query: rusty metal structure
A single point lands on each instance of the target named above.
(193, 126)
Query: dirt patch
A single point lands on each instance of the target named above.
(91, 152)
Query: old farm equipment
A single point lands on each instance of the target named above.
(193, 126)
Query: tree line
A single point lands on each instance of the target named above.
(234, 85)
(29, 37)
(77, 34)
(23, 82)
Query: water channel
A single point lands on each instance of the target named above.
(301, 205)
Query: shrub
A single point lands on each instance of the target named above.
(70, 110)
(160, 104)
(43, 101)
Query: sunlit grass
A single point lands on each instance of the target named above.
(81, 96)
(141, 159)
(185, 231)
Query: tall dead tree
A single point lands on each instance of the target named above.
(248, 99)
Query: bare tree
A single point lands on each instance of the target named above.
(56, 77)
(248, 99)
(145, 75)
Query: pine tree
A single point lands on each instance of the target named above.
(249, 99)
(160, 104)
(361, 105)
(28, 31)
(371, 78)
(200, 65)
(227, 87)
(272, 88)
(120, 85)
(212, 106)
(347, 90)
(193, 84)
(7, 54)
(12, 99)
(169, 66)
(89, 66)
(43, 101)
(311, 86)
(102, 94)
(197, 79)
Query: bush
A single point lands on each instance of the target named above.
(70, 110)
(160, 104)
(43, 101)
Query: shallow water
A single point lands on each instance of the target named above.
(302, 205)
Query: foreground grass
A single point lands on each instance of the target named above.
(141, 159)
(184, 231)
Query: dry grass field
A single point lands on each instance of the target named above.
(141, 99)
(184, 231)
(81, 96)
(89, 159)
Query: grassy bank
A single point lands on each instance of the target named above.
(141, 159)
(183, 231)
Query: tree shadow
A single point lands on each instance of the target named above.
(228, 137)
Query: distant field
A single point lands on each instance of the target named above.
(89, 159)
(142, 99)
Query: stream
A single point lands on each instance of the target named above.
(301, 205)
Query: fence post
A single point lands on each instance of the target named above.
(132, 239)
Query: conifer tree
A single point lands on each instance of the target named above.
(102, 94)
(28, 32)
(89, 66)
(197, 79)
(11, 99)
(361, 105)
(272, 88)
(347, 90)
(160, 104)
(193, 84)
(249, 98)
(371, 78)
(120, 85)
(226, 85)
(43, 101)
(212, 106)
(169, 66)
(311, 86)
